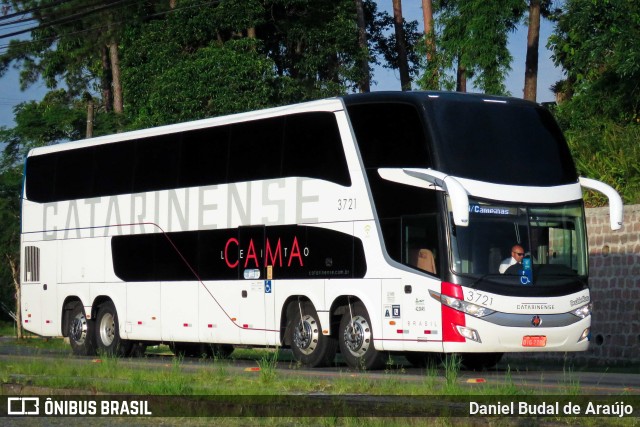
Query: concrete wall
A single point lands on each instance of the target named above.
(614, 278)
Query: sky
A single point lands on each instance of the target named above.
(548, 74)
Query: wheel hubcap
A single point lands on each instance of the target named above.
(305, 335)
(107, 329)
(357, 336)
(78, 332)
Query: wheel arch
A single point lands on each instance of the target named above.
(339, 307)
(97, 302)
(289, 307)
(68, 304)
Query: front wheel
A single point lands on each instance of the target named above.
(308, 344)
(80, 332)
(107, 332)
(356, 340)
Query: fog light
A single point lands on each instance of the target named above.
(586, 334)
(468, 333)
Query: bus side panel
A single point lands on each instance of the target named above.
(41, 291)
(392, 322)
(82, 260)
(143, 316)
(179, 306)
(30, 307)
(422, 326)
(252, 312)
(218, 303)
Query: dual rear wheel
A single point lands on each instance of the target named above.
(312, 348)
(88, 337)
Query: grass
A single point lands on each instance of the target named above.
(173, 376)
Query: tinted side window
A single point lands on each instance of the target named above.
(114, 168)
(313, 148)
(156, 163)
(204, 157)
(255, 150)
(390, 135)
(74, 174)
(40, 173)
(307, 145)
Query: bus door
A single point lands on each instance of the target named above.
(253, 289)
(41, 312)
(421, 313)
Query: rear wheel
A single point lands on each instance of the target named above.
(308, 344)
(356, 340)
(80, 332)
(107, 332)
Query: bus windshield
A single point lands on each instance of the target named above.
(521, 244)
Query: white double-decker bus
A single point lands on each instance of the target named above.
(367, 224)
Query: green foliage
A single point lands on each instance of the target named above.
(473, 34)
(10, 185)
(608, 152)
(596, 43)
(55, 119)
(68, 43)
(213, 81)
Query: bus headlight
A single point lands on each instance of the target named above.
(460, 305)
(583, 311)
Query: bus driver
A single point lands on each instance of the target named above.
(517, 254)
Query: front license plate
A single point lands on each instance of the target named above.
(534, 341)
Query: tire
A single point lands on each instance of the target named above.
(309, 345)
(480, 361)
(80, 332)
(356, 340)
(107, 332)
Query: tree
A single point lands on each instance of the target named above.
(55, 119)
(531, 66)
(473, 40)
(384, 45)
(241, 55)
(595, 42)
(537, 8)
(10, 184)
(431, 70)
(365, 82)
(75, 42)
(403, 64)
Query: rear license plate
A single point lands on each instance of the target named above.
(534, 341)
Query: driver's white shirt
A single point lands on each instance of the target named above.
(508, 262)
